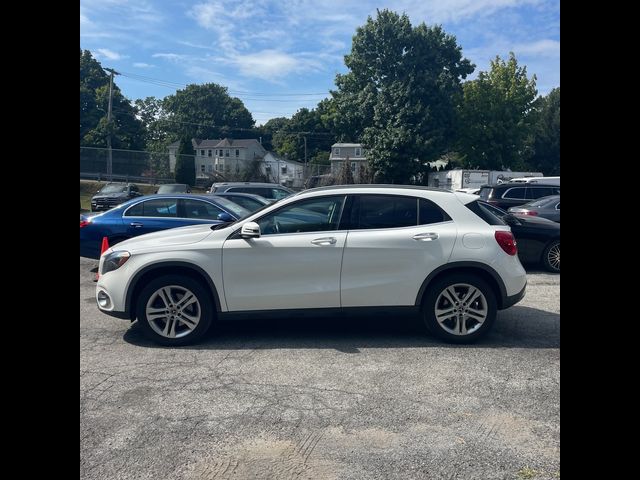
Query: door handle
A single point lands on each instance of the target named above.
(324, 241)
(136, 224)
(425, 237)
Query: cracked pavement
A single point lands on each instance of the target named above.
(361, 398)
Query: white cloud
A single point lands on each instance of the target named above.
(143, 65)
(540, 48)
(271, 65)
(169, 56)
(109, 54)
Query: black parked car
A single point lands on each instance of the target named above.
(270, 191)
(513, 194)
(113, 194)
(538, 239)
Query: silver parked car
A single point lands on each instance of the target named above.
(545, 207)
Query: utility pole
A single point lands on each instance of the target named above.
(304, 172)
(109, 152)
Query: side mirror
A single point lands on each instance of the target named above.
(156, 191)
(250, 230)
(225, 217)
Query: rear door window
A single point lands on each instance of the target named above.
(199, 210)
(429, 212)
(538, 192)
(515, 193)
(383, 211)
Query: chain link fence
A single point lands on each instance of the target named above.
(127, 165)
(155, 168)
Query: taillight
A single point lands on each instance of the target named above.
(531, 212)
(84, 223)
(506, 242)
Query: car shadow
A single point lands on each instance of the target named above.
(516, 327)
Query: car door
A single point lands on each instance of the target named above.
(151, 216)
(393, 243)
(294, 264)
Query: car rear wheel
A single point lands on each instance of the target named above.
(551, 257)
(459, 308)
(174, 310)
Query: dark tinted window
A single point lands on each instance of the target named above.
(154, 208)
(537, 192)
(517, 193)
(491, 215)
(383, 211)
(311, 215)
(136, 210)
(198, 209)
(134, 188)
(429, 212)
(263, 192)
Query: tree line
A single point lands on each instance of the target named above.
(405, 97)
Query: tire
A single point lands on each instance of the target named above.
(450, 328)
(172, 327)
(551, 257)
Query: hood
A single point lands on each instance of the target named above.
(165, 238)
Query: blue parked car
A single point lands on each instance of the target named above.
(152, 213)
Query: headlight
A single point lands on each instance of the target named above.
(114, 261)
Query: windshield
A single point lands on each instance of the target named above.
(171, 189)
(113, 189)
(237, 210)
(484, 193)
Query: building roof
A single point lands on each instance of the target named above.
(346, 145)
(224, 143)
(200, 143)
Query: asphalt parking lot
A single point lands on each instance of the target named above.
(366, 398)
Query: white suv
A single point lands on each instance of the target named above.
(325, 250)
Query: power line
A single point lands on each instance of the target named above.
(170, 84)
(254, 129)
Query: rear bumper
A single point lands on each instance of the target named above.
(509, 301)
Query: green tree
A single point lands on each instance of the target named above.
(399, 97)
(185, 163)
(546, 140)
(126, 130)
(207, 111)
(496, 120)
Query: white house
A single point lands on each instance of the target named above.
(226, 155)
(283, 171)
(351, 152)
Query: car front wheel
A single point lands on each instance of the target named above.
(459, 308)
(174, 310)
(551, 257)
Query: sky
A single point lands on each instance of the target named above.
(278, 56)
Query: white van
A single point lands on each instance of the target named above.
(541, 180)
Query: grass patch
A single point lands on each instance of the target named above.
(527, 472)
